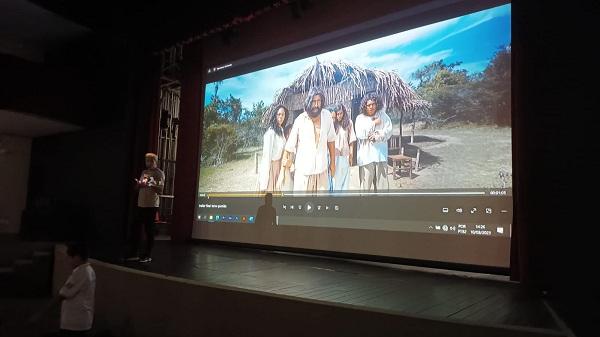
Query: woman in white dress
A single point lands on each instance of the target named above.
(344, 147)
(273, 144)
(285, 181)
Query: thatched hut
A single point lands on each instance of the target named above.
(347, 83)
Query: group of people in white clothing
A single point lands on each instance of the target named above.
(315, 153)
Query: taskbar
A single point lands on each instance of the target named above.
(460, 229)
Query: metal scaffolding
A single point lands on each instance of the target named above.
(170, 93)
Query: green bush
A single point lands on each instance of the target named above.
(220, 144)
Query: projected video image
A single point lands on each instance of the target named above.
(427, 108)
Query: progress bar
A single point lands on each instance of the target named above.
(325, 194)
(381, 194)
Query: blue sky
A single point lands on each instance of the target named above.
(472, 39)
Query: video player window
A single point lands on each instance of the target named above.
(405, 133)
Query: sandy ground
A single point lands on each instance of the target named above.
(463, 157)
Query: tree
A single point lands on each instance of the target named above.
(231, 109)
(220, 144)
(449, 91)
(248, 131)
(482, 98)
(494, 87)
(428, 72)
(211, 112)
(227, 127)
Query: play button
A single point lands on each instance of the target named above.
(309, 207)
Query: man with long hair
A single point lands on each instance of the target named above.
(312, 139)
(373, 129)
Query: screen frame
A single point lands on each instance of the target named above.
(413, 17)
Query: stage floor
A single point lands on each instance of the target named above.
(370, 286)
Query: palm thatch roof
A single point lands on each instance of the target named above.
(342, 81)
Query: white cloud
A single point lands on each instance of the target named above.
(477, 19)
(397, 40)
(358, 52)
(408, 64)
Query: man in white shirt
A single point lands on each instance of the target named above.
(77, 294)
(373, 129)
(150, 186)
(312, 139)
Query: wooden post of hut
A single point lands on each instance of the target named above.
(400, 138)
(412, 135)
(256, 162)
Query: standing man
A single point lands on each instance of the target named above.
(266, 214)
(76, 296)
(150, 185)
(312, 140)
(373, 129)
